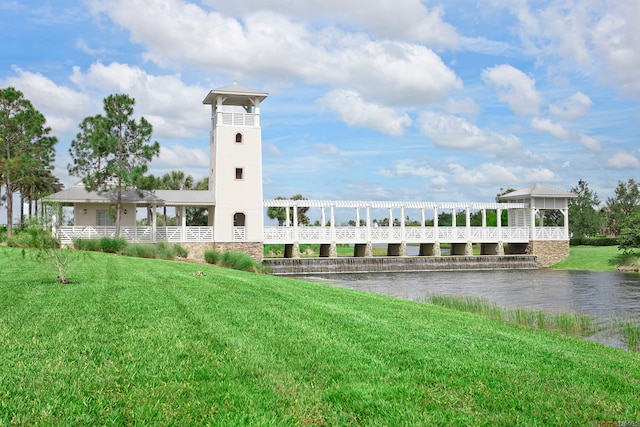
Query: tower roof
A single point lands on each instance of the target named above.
(234, 94)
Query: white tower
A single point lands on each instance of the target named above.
(235, 175)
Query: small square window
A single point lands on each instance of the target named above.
(239, 173)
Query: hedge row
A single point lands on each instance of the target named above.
(594, 241)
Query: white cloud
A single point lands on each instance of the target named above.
(327, 149)
(453, 132)
(174, 109)
(179, 156)
(515, 88)
(271, 149)
(462, 106)
(572, 108)
(590, 142)
(623, 161)
(354, 111)
(546, 125)
(412, 20)
(484, 174)
(409, 168)
(63, 107)
(540, 174)
(272, 45)
(593, 36)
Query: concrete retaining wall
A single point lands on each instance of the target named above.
(284, 266)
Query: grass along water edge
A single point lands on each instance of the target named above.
(572, 324)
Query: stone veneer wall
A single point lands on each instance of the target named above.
(548, 252)
(197, 250)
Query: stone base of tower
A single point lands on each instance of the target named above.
(196, 250)
(548, 252)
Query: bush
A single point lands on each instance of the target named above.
(239, 261)
(87, 245)
(32, 237)
(242, 261)
(164, 251)
(112, 245)
(212, 257)
(594, 241)
(180, 251)
(139, 250)
(3, 233)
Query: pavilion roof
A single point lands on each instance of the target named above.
(538, 190)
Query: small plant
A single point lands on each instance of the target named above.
(139, 250)
(87, 245)
(212, 257)
(630, 331)
(112, 245)
(180, 251)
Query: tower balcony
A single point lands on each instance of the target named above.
(236, 119)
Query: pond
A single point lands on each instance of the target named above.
(603, 295)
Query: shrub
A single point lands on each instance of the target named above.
(87, 245)
(33, 237)
(3, 233)
(112, 245)
(139, 250)
(594, 241)
(164, 251)
(180, 251)
(212, 257)
(238, 261)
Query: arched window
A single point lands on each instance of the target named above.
(238, 138)
(238, 219)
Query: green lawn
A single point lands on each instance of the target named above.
(145, 342)
(597, 258)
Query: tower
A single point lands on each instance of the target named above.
(235, 172)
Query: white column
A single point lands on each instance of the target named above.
(453, 217)
(333, 224)
(402, 224)
(287, 216)
(323, 218)
(422, 221)
(357, 217)
(390, 217)
(295, 223)
(435, 224)
(468, 222)
(499, 223)
(153, 224)
(565, 214)
(533, 224)
(183, 217)
(368, 224)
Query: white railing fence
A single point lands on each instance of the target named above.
(68, 234)
(409, 234)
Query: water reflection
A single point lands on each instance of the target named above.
(599, 294)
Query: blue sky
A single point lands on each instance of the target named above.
(395, 100)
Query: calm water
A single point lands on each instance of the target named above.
(602, 295)
(595, 293)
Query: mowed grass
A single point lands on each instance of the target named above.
(595, 258)
(146, 342)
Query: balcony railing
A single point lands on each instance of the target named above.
(236, 119)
